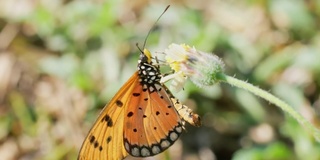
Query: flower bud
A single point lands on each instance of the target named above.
(202, 68)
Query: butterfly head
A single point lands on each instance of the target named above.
(145, 56)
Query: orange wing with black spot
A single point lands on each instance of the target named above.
(105, 139)
(140, 120)
(153, 125)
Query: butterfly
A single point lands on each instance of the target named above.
(143, 118)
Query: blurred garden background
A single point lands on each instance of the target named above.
(61, 61)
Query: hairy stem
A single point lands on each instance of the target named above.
(272, 99)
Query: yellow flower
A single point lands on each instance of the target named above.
(202, 68)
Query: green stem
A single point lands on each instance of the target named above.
(272, 99)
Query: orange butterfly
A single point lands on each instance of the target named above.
(140, 120)
(143, 119)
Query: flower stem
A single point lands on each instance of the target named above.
(272, 99)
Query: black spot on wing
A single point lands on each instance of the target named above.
(119, 103)
(130, 114)
(92, 139)
(108, 119)
(96, 144)
(109, 139)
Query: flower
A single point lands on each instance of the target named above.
(202, 68)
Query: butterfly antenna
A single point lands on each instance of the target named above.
(137, 44)
(153, 26)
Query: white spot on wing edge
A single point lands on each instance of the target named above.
(145, 152)
(173, 136)
(135, 152)
(126, 145)
(155, 150)
(165, 144)
(179, 129)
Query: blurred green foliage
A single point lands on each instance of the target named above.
(62, 61)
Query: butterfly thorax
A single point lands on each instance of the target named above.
(149, 75)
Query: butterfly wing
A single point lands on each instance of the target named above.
(141, 119)
(154, 124)
(105, 139)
